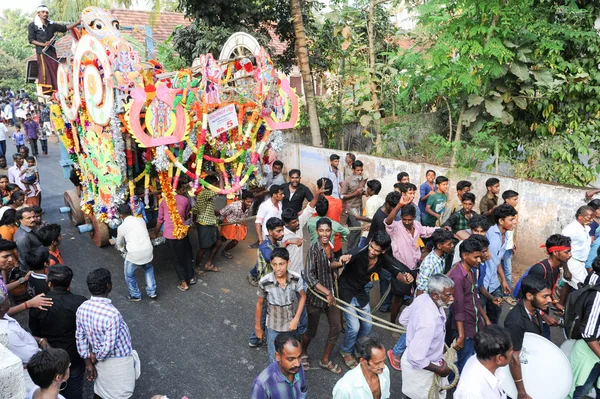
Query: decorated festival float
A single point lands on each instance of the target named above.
(132, 129)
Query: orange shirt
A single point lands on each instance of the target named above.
(335, 213)
(55, 258)
(8, 232)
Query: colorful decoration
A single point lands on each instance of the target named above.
(123, 124)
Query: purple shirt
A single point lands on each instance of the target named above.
(425, 331)
(405, 245)
(31, 129)
(272, 384)
(183, 208)
(467, 304)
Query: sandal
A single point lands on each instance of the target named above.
(511, 301)
(330, 366)
(349, 363)
(211, 268)
(395, 365)
(199, 271)
(305, 363)
(193, 281)
(227, 255)
(181, 288)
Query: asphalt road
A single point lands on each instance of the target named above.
(191, 344)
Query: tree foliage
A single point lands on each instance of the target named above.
(522, 75)
(14, 49)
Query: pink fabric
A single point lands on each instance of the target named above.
(183, 207)
(404, 245)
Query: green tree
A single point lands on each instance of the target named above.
(13, 33)
(521, 77)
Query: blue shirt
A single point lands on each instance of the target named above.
(423, 191)
(593, 253)
(488, 277)
(272, 384)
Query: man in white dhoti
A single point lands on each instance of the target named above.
(104, 342)
(425, 322)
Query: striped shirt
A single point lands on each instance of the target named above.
(282, 302)
(590, 322)
(101, 330)
(318, 270)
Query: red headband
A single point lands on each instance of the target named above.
(555, 248)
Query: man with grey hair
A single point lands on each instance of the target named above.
(425, 322)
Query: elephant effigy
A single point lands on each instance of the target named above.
(127, 123)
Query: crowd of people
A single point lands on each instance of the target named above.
(30, 121)
(444, 273)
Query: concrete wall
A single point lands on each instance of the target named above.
(544, 208)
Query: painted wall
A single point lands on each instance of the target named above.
(544, 209)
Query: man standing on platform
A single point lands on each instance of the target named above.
(41, 33)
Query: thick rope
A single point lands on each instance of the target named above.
(377, 321)
(450, 358)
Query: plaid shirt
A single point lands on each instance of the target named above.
(234, 212)
(282, 302)
(205, 208)
(263, 262)
(272, 384)
(458, 221)
(101, 330)
(432, 264)
(317, 270)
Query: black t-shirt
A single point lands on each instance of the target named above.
(38, 284)
(45, 34)
(302, 192)
(517, 323)
(590, 322)
(377, 223)
(545, 271)
(357, 274)
(58, 323)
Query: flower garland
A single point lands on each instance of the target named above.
(180, 229)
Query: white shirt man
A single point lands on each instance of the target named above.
(579, 233)
(133, 234)
(296, 252)
(271, 208)
(477, 382)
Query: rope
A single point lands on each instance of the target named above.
(450, 358)
(383, 298)
(377, 321)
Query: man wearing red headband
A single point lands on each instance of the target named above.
(558, 248)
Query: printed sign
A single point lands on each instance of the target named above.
(222, 120)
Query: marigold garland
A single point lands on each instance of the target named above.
(180, 230)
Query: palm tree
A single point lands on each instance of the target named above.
(307, 82)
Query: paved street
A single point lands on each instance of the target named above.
(192, 343)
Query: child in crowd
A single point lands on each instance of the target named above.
(30, 176)
(51, 237)
(18, 137)
(490, 200)
(436, 203)
(37, 261)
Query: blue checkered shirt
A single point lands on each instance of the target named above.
(101, 330)
(432, 264)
